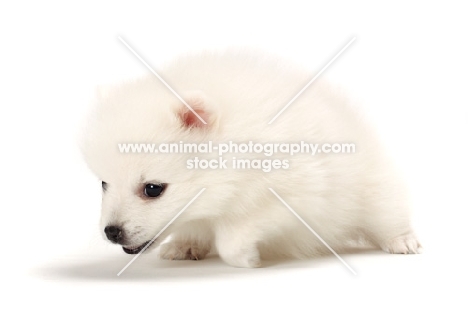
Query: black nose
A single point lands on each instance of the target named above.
(113, 233)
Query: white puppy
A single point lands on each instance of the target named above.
(343, 197)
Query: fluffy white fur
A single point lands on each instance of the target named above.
(343, 197)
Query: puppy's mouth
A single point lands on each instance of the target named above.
(135, 250)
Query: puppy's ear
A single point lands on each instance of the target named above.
(199, 114)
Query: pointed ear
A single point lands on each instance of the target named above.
(198, 113)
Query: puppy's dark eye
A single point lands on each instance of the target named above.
(104, 186)
(154, 190)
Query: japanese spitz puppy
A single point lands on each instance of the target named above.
(233, 96)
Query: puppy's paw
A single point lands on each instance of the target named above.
(243, 259)
(405, 244)
(182, 251)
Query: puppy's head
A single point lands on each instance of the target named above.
(142, 192)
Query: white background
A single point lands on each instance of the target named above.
(408, 67)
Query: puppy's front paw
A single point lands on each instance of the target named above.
(405, 244)
(182, 251)
(242, 258)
